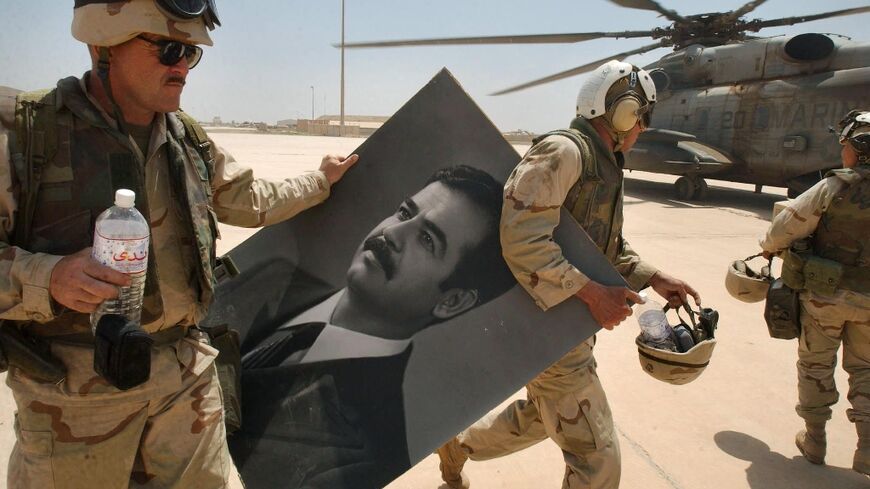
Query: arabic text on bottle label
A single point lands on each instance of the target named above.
(129, 256)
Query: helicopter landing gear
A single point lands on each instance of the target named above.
(690, 188)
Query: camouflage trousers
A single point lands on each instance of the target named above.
(825, 324)
(565, 403)
(84, 433)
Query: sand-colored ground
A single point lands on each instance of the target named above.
(731, 429)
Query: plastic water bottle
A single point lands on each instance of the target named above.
(656, 331)
(121, 242)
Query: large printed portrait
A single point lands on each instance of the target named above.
(377, 325)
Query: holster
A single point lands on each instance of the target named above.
(782, 311)
(122, 352)
(229, 369)
(30, 354)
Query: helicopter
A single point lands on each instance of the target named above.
(731, 106)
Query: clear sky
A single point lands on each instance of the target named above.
(269, 53)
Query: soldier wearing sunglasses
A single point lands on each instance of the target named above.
(63, 153)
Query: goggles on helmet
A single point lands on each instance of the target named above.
(171, 51)
(847, 125)
(191, 9)
(183, 10)
(847, 128)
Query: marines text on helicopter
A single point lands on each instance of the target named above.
(731, 106)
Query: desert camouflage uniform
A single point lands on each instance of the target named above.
(566, 402)
(169, 431)
(835, 212)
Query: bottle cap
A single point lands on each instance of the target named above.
(125, 198)
(644, 296)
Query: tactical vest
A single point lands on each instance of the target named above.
(69, 162)
(595, 200)
(839, 257)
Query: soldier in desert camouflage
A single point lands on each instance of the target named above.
(823, 237)
(579, 169)
(63, 152)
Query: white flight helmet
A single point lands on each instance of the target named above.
(621, 93)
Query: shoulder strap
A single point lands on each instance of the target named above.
(34, 144)
(590, 172)
(200, 139)
(590, 163)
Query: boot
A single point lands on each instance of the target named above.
(452, 460)
(812, 442)
(861, 462)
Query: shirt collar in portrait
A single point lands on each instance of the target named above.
(336, 342)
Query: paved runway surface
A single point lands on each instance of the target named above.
(733, 428)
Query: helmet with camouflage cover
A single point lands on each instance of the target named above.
(681, 368)
(109, 23)
(854, 129)
(745, 284)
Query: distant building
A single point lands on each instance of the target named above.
(329, 125)
(216, 121)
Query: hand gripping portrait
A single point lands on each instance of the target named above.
(380, 324)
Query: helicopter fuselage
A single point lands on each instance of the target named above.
(760, 108)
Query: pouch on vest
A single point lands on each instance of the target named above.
(793, 269)
(822, 275)
(229, 369)
(122, 352)
(782, 311)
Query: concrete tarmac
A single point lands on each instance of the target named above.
(733, 428)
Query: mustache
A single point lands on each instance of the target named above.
(379, 248)
(176, 79)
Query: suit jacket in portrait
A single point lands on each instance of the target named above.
(336, 421)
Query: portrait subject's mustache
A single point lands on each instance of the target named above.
(176, 79)
(379, 248)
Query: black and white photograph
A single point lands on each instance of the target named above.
(367, 323)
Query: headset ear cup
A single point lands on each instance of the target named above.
(623, 113)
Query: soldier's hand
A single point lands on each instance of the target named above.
(673, 290)
(334, 166)
(81, 283)
(608, 305)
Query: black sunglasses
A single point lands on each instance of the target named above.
(171, 52)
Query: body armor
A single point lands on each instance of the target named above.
(595, 200)
(843, 234)
(69, 162)
(838, 255)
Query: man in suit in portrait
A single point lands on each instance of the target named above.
(322, 395)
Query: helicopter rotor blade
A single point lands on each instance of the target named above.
(518, 39)
(756, 25)
(749, 7)
(580, 69)
(650, 5)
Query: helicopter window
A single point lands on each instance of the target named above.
(660, 79)
(809, 47)
(761, 117)
(703, 119)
